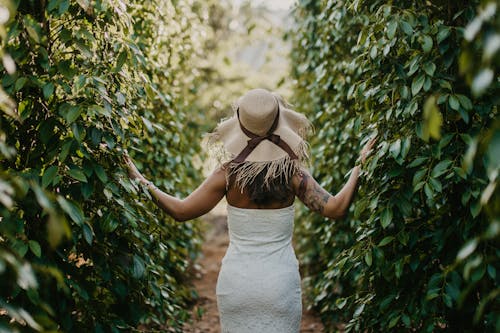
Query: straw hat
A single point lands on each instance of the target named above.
(262, 133)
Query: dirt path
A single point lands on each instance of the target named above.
(205, 315)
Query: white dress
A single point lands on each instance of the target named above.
(258, 288)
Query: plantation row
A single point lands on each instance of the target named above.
(81, 251)
(81, 82)
(419, 250)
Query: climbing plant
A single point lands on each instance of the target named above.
(419, 249)
(80, 248)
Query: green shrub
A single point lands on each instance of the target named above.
(419, 250)
(79, 252)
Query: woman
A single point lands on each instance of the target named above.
(258, 288)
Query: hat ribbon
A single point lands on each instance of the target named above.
(255, 140)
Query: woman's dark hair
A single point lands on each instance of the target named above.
(279, 188)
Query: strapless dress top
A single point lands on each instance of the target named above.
(258, 287)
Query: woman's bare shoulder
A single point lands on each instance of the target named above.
(298, 179)
(308, 190)
(218, 177)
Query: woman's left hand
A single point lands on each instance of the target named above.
(367, 149)
(132, 169)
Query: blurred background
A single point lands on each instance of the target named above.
(244, 49)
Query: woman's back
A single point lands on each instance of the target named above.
(237, 198)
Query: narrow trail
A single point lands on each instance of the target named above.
(205, 315)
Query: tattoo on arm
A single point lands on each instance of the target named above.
(313, 195)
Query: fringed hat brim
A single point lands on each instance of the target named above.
(228, 140)
(245, 173)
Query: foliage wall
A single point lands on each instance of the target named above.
(81, 250)
(419, 248)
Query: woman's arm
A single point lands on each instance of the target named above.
(319, 200)
(199, 202)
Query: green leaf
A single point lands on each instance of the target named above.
(427, 83)
(492, 271)
(441, 168)
(418, 176)
(340, 302)
(138, 268)
(453, 101)
(404, 92)
(72, 209)
(475, 209)
(391, 29)
(443, 33)
(122, 57)
(48, 90)
(478, 273)
(65, 67)
(429, 68)
(63, 6)
(79, 132)
(359, 310)
(65, 150)
(53, 4)
(101, 174)
(436, 184)
(33, 29)
(395, 148)
(77, 174)
(464, 115)
(49, 175)
(97, 109)
(405, 147)
(428, 191)
(464, 101)
(386, 217)
(20, 83)
(414, 65)
(393, 321)
(88, 233)
(426, 43)
(386, 302)
(73, 114)
(403, 237)
(417, 161)
(406, 27)
(385, 241)
(445, 85)
(406, 320)
(20, 247)
(87, 189)
(368, 257)
(417, 84)
(447, 300)
(35, 248)
(107, 193)
(445, 140)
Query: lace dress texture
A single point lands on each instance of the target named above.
(258, 288)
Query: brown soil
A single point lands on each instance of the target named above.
(204, 313)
